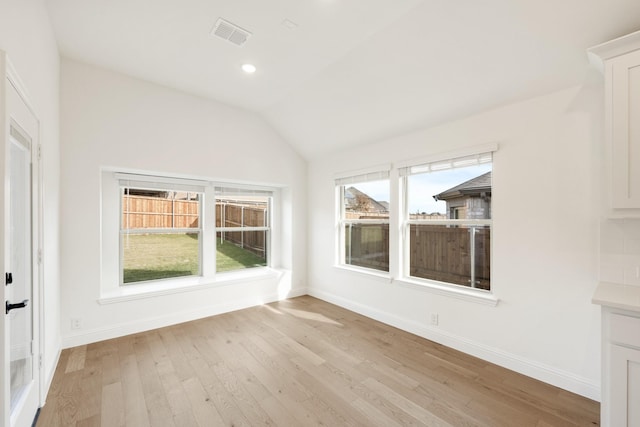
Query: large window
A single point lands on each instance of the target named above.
(364, 220)
(172, 227)
(447, 221)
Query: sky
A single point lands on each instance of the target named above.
(423, 187)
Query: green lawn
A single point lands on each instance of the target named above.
(162, 256)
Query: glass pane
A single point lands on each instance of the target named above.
(20, 320)
(367, 245)
(242, 212)
(462, 193)
(367, 200)
(449, 253)
(482, 257)
(159, 209)
(160, 256)
(240, 249)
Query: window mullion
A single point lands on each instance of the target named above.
(208, 249)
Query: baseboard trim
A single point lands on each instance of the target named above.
(557, 377)
(122, 329)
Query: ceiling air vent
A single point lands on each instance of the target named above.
(230, 32)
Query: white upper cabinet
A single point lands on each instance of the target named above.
(620, 61)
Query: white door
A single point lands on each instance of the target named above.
(19, 166)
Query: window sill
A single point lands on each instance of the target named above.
(187, 284)
(472, 295)
(365, 272)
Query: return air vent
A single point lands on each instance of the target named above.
(230, 32)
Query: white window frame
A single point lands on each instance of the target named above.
(342, 180)
(231, 191)
(111, 288)
(474, 156)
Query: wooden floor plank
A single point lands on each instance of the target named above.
(297, 362)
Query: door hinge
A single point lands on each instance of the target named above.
(39, 256)
(39, 151)
(40, 361)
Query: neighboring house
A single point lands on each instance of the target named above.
(357, 201)
(469, 200)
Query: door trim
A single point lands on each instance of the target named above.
(9, 75)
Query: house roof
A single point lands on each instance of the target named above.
(474, 186)
(351, 195)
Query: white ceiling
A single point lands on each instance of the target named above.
(352, 71)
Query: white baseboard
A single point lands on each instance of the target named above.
(122, 329)
(548, 374)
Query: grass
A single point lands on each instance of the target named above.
(163, 256)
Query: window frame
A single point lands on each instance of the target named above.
(111, 287)
(267, 228)
(376, 173)
(405, 253)
(399, 255)
(160, 230)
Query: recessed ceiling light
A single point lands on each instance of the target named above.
(249, 68)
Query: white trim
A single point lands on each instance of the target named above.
(364, 271)
(126, 328)
(448, 155)
(475, 295)
(616, 47)
(154, 288)
(548, 374)
(364, 171)
(162, 182)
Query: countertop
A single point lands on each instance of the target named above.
(626, 297)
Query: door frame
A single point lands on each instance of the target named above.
(9, 77)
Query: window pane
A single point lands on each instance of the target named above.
(450, 253)
(159, 256)
(242, 212)
(240, 249)
(462, 193)
(367, 245)
(367, 200)
(159, 209)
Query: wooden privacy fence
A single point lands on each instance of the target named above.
(367, 245)
(437, 252)
(239, 215)
(140, 212)
(443, 253)
(155, 212)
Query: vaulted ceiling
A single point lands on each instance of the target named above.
(335, 73)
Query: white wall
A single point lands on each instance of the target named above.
(546, 208)
(111, 120)
(27, 37)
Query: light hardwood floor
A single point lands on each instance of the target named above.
(297, 362)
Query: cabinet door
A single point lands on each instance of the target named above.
(625, 386)
(625, 130)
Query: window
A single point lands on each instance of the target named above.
(447, 221)
(172, 228)
(364, 220)
(242, 229)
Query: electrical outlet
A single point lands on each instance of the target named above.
(434, 319)
(76, 323)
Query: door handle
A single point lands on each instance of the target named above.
(9, 306)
